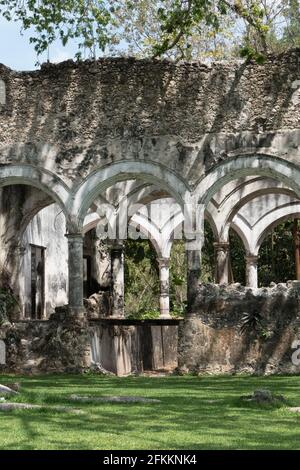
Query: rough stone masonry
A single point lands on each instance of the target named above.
(70, 131)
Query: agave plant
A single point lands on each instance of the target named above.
(251, 322)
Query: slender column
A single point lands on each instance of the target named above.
(193, 259)
(222, 262)
(251, 270)
(164, 279)
(117, 275)
(75, 264)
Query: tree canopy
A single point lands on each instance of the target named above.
(173, 28)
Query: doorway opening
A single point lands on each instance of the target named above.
(37, 282)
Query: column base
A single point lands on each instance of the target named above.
(78, 312)
(165, 316)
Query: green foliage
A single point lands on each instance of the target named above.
(178, 279)
(146, 315)
(85, 21)
(276, 261)
(174, 28)
(141, 279)
(208, 255)
(7, 303)
(291, 13)
(237, 258)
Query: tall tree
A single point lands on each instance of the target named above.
(160, 27)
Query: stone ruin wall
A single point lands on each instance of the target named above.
(211, 339)
(71, 118)
(63, 345)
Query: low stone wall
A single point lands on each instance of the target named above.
(214, 340)
(62, 345)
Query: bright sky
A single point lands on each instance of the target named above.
(18, 54)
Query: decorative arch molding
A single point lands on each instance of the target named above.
(253, 237)
(104, 177)
(146, 227)
(38, 178)
(243, 231)
(231, 213)
(234, 168)
(271, 221)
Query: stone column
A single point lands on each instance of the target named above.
(193, 260)
(251, 270)
(117, 276)
(222, 262)
(164, 299)
(75, 263)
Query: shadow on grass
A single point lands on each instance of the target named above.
(194, 413)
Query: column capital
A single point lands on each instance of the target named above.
(116, 245)
(251, 259)
(220, 245)
(163, 262)
(75, 236)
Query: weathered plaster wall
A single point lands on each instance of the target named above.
(47, 229)
(211, 340)
(72, 118)
(18, 205)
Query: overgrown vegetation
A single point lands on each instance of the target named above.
(276, 264)
(7, 303)
(276, 261)
(173, 28)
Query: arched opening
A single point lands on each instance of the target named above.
(141, 280)
(144, 275)
(208, 273)
(45, 280)
(178, 279)
(276, 261)
(32, 238)
(237, 258)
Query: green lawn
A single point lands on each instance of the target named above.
(185, 419)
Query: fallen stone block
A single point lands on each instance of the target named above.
(6, 390)
(264, 396)
(86, 399)
(29, 406)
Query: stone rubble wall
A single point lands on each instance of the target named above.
(74, 117)
(65, 345)
(211, 339)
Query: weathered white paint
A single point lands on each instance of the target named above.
(47, 229)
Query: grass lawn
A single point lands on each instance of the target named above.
(185, 418)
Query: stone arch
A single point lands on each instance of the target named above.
(226, 209)
(104, 177)
(172, 225)
(146, 227)
(39, 178)
(244, 232)
(245, 200)
(271, 221)
(233, 168)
